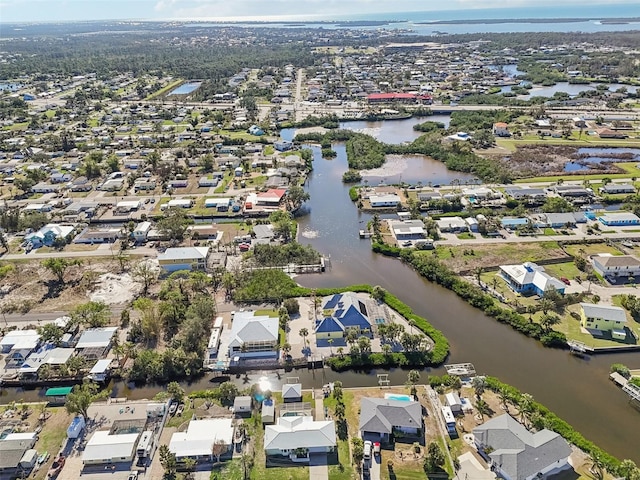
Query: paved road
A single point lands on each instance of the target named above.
(100, 252)
(33, 318)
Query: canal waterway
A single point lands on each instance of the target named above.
(576, 389)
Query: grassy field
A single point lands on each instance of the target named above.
(592, 249)
(466, 258)
(563, 270)
(466, 236)
(629, 167)
(166, 89)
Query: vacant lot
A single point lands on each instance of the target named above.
(462, 258)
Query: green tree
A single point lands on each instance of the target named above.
(549, 320)
(59, 266)
(357, 450)
(51, 333)
(175, 391)
(296, 196)
(378, 293)
(82, 396)
(168, 461)
(92, 314)
(434, 460)
(413, 377)
(173, 225)
(227, 392)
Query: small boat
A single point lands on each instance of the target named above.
(56, 468)
(42, 458)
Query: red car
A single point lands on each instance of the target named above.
(565, 281)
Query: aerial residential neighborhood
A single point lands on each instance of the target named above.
(318, 248)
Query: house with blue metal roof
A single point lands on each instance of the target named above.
(342, 312)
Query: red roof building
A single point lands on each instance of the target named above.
(398, 98)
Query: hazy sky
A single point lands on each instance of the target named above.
(55, 10)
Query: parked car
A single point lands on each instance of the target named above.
(565, 281)
(180, 409)
(172, 409)
(368, 448)
(133, 475)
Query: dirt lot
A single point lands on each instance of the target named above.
(32, 288)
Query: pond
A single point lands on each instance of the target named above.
(186, 88)
(394, 131)
(607, 151)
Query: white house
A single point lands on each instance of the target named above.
(104, 448)
(616, 265)
(197, 441)
(141, 231)
(253, 336)
(501, 129)
(180, 203)
(297, 437)
(18, 344)
(388, 200)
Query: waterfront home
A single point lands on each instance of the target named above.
(94, 343)
(340, 313)
(49, 234)
(382, 418)
(141, 231)
(299, 436)
(253, 336)
(604, 318)
(198, 440)
(179, 203)
(12, 452)
(220, 204)
(609, 133)
(18, 345)
(560, 220)
(622, 266)
(619, 219)
(571, 191)
(47, 355)
(529, 278)
(127, 206)
(184, 258)
(283, 145)
(103, 235)
(384, 201)
(515, 453)
(407, 229)
(271, 198)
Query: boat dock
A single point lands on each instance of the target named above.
(627, 387)
(365, 234)
(578, 348)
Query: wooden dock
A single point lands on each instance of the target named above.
(460, 369)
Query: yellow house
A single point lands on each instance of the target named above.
(605, 318)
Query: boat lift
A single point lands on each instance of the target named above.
(383, 380)
(632, 390)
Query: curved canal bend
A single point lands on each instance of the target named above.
(577, 390)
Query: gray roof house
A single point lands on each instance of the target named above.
(292, 392)
(517, 454)
(382, 417)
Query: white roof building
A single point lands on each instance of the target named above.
(104, 448)
(20, 340)
(604, 312)
(200, 436)
(253, 336)
(52, 356)
(96, 337)
(530, 274)
(291, 433)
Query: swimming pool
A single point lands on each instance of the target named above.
(397, 396)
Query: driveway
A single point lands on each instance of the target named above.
(375, 467)
(318, 468)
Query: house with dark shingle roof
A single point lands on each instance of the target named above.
(380, 418)
(515, 453)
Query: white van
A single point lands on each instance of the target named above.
(367, 449)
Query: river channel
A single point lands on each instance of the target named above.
(578, 390)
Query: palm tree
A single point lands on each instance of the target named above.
(304, 333)
(597, 465)
(478, 384)
(547, 321)
(340, 351)
(482, 407)
(478, 273)
(503, 395)
(525, 405)
(330, 342)
(546, 305)
(386, 349)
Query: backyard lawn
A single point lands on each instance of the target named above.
(591, 249)
(564, 270)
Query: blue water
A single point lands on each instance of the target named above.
(605, 151)
(402, 398)
(414, 21)
(186, 88)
